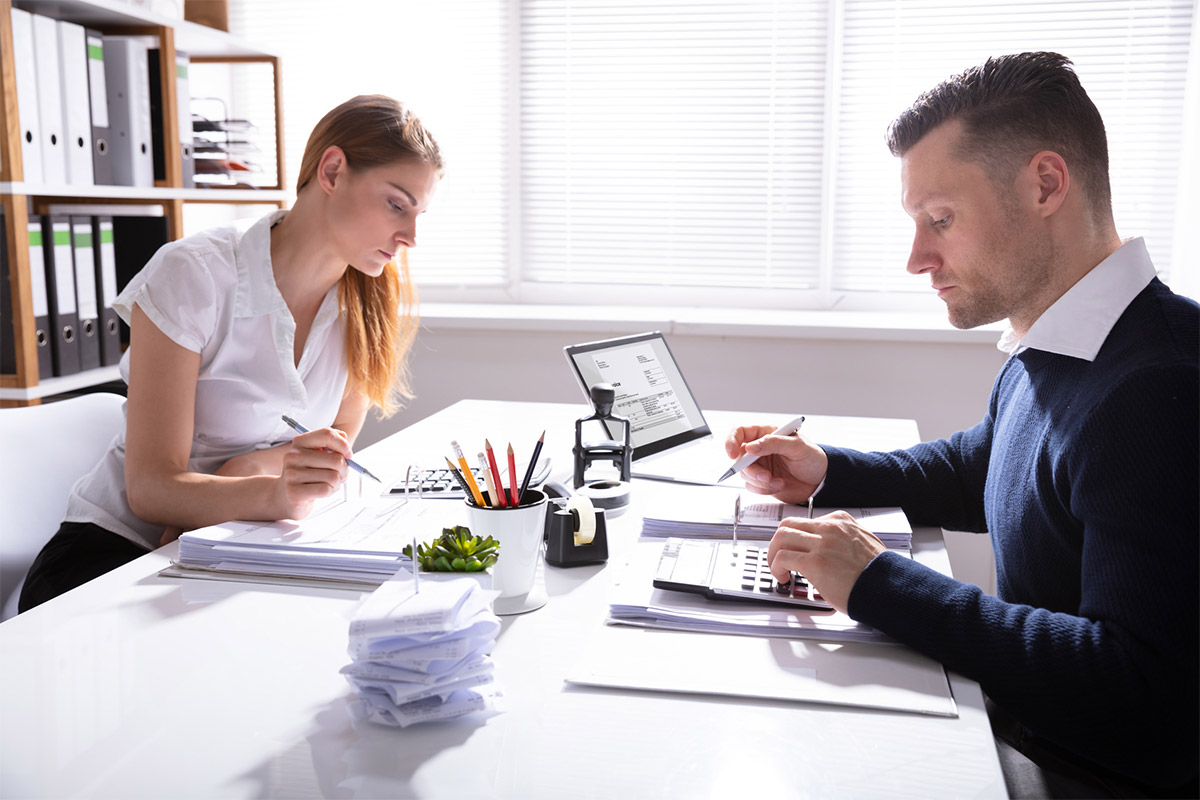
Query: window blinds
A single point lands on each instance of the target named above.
(1131, 58)
(707, 148)
(672, 143)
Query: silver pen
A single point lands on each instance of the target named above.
(747, 459)
(354, 465)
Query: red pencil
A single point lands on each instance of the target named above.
(491, 457)
(514, 492)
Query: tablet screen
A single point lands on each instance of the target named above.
(650, 390)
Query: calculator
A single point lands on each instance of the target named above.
(439, 484)
(722, 571)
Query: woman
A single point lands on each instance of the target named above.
(307, 313)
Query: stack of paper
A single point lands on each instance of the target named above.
(702, 512)
(353, 543)
(420, 656)
(635, 601)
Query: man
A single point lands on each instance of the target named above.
(1084, 469)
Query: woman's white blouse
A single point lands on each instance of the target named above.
(214, 293)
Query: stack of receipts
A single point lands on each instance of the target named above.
(345, 542)
(420, 653)
(707, 512)
(636, 601)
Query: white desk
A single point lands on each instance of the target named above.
(140, 686)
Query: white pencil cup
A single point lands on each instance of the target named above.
(519, 531)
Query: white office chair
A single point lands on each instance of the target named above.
(46, 449)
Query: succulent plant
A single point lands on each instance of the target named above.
(456, 550)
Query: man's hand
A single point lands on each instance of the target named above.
(789, 467)
(831, 551)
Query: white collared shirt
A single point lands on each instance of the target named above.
(1078, 322)
(214, 293)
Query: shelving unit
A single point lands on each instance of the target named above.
(111, 17)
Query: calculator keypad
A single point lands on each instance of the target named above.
(437, 482)
(755, 576)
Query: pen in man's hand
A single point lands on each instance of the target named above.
(354, 465)
(747, 459)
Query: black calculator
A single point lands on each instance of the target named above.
(435, 484)
(722, 571)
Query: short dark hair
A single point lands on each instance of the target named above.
(1011, 107)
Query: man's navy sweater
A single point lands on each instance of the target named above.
(1086, 475)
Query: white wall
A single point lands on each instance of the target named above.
(944, 386)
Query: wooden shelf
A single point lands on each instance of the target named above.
(147, 193)
(191, 38)
(202, 45)
(52, 386)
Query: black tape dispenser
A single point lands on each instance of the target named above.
(576, 533)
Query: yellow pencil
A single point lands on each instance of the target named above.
(468, 476)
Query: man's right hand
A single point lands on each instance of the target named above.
(789, 467)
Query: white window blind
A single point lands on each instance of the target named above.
(1131, 56)
(672, 143)
(706, 150)
(449, 62)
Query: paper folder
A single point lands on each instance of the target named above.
(77, 114)
(27, 96)
(98, 97)
(85, 292)
(41, 300)
(50, 103)
(106, 281)
(60, 281)
(130, 141)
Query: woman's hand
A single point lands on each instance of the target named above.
(789, 467)
(314, 466)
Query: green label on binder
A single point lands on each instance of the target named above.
(62, 237)
(35, 238)
(95, 52)
(181, 70)
(83, 240)
(106, 235)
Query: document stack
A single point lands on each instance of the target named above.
(700, 512)
(420, 652)
(635, 601)
(349, 543)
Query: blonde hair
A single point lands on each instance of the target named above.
(381, 312)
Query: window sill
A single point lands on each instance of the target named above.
(608, 321)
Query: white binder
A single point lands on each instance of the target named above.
(50, 104)
(130, 134)
(77, 113)
(186, 144)
(27, 96)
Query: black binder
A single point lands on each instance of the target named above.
(106, 288)
(102, 167)
(135, 240)
(182, 111)
(60, 290)
(41, 302)
(86, 298)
